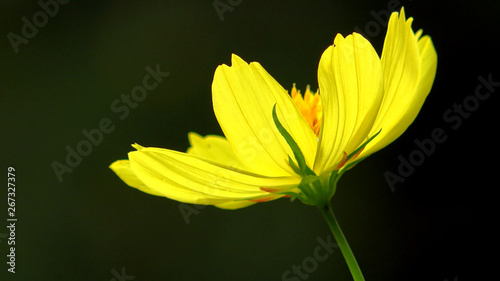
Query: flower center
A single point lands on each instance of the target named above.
(309, 106)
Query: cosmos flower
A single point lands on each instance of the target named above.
(280, 144)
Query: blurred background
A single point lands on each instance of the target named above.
(65, 66)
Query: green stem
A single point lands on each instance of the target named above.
(327, 213)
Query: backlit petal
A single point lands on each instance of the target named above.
(233, 205)
(243, 99)
(216, 149)
(428, 66)
(194, 179)
(409, 66)
(350, 82)
(124, 171)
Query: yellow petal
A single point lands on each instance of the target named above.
(195, 179)
(350, 82)
(243, 99)
(233, 205)
(409, 66)
(428, 66)
(124, 171)
(215, 148)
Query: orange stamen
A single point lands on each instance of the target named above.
(309, 107)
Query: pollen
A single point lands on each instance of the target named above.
(309, 106)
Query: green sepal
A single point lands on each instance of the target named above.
(333, 181)
(346, 168)
(362, 146)
(309, 179)
(294, 167)
(311, 191)
(335, 176)
(303, 170)
(301, 197)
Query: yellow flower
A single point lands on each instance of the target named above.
(364, 103)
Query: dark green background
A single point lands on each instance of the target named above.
(435, 225)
